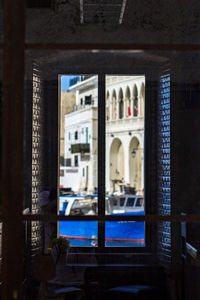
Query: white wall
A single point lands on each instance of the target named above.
(124, 129)
(79, 121)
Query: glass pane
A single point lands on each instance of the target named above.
(78, 144)
(124, 234)
(79, 233)
(78, 157)
(125, 97)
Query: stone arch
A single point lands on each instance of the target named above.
(116, 165)
(135, 101)
(107, 106)
(121, 104)
(135, 159)
(142, 101)
(114, 105)
(128, 102)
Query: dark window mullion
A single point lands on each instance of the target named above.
(101, 159)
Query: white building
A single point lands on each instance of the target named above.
(124, 135)
(80, 173)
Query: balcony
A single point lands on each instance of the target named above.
(80, 148)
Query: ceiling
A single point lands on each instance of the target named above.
(111, 21)
(91, 11)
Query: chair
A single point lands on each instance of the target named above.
(115, 282)
(139, 292)
(44, 269)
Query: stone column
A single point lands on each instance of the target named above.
(139, 106)
(126, 141)
(125, 110)
(108, 145)
(110, 109)
(142, 161)
(77, 98)
(117, 109)
(132, 107)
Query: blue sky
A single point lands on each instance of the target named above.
(65, 81)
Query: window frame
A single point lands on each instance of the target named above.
(149, 228)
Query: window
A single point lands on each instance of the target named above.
(76, 135)
(135, 101)
(171, 39)
(130, 202)
(62, 161)
(114, 202)
(123, 172)
(84, 207)
(86, 135)
(122, 200)
(68, 162)
(88, 100)
(139, 202)
(121, 104)
(69, 136)
(76, 160)
(81, 177)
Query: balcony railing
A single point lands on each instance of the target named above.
(80, 148)
(80, 78)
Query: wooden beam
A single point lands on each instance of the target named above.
(13, 148)
(151, 218)
(113, 46)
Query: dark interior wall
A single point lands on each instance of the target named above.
(153, 22)
(111, 63)
(184, 118)
(186, 141)
(0, 138)
(185, 128)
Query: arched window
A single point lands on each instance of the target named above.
(121, 104)
(142, 96)
(114, 106)
(128, 102)
(107, 106)
(135, 102)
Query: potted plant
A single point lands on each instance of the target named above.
(60, 248)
